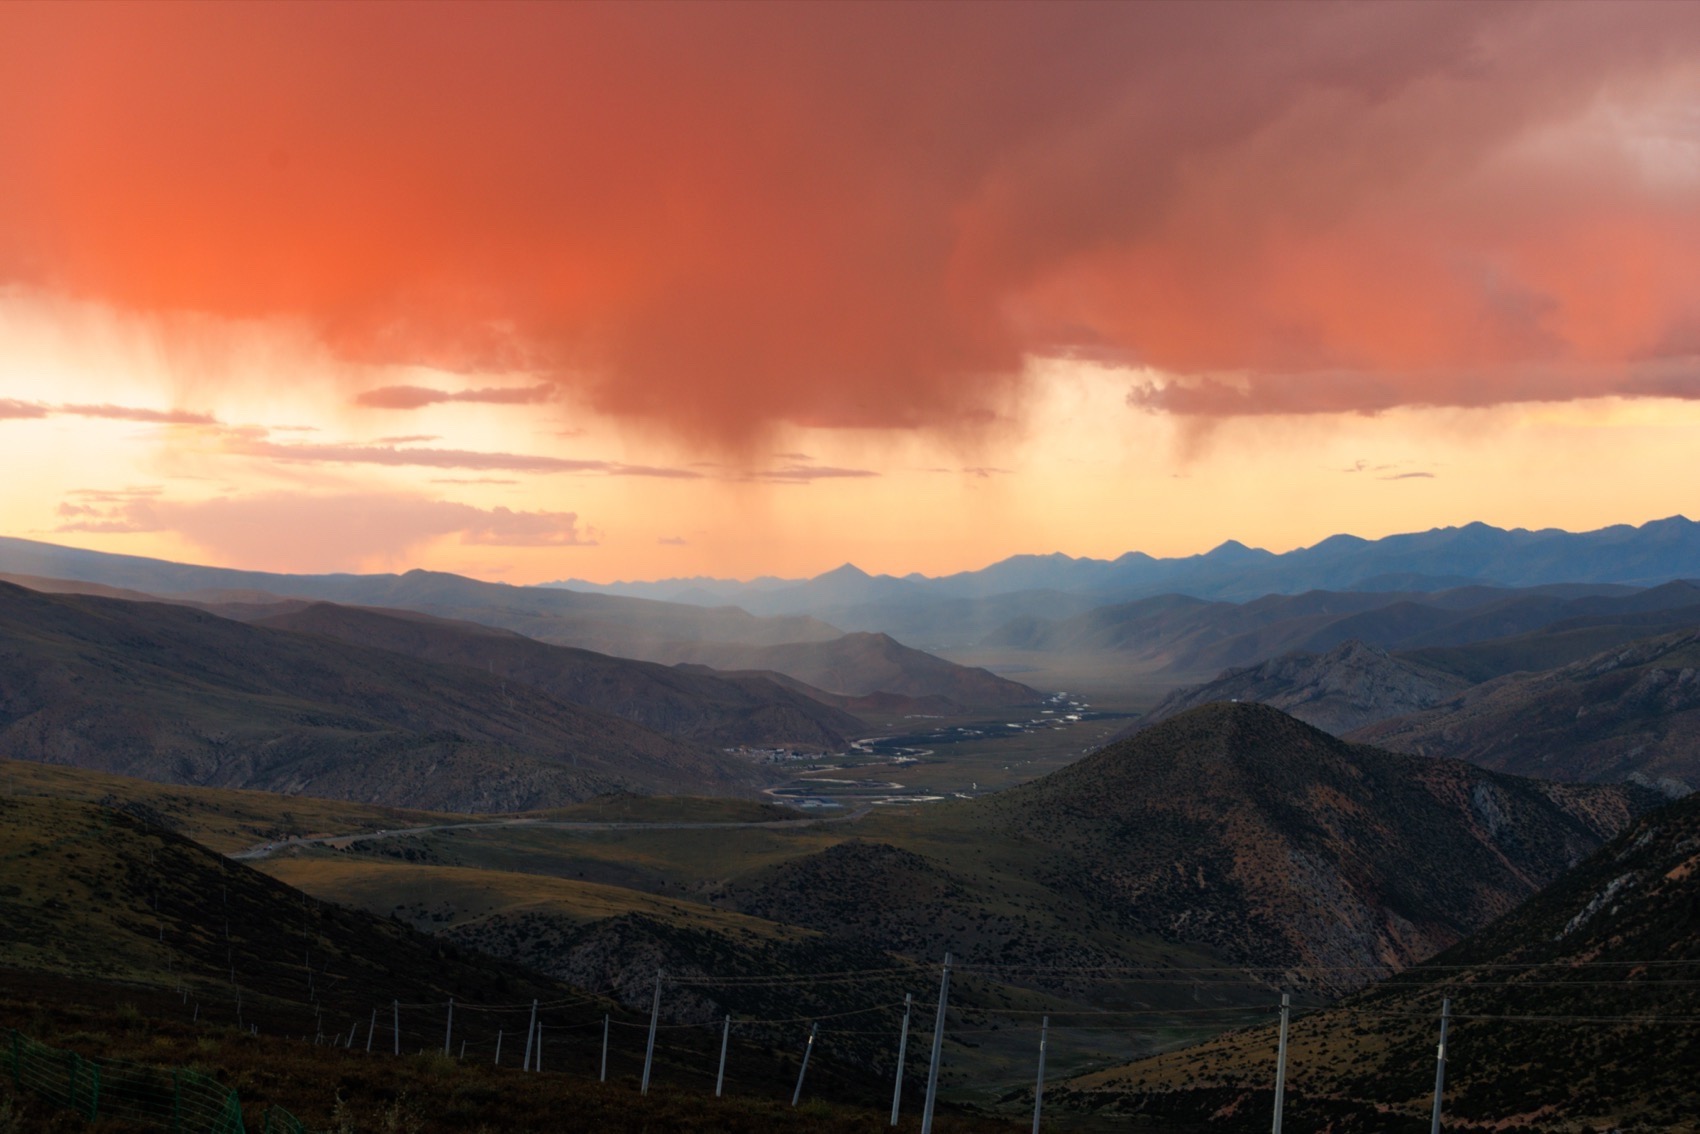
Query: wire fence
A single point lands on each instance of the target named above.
(177, 1099)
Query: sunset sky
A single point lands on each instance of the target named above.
(543, 291)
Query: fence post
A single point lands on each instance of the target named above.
(498, 1060)
(938, 1051)
(902, 1054)
(1281, 1064)
(654, 1020)
(371, 1028)
(1440, 1064)
(1039, 1087)
(529, 1030)
(537, 1056)
(725, 1035)
(604, 1047)
(463, 1051)
(449, 1029)
(808, 1050)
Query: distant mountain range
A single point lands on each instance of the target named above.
(804, 648)
(1439, 559)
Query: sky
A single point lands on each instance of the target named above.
(533, 292)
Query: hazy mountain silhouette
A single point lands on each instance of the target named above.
(171, 693)
(700, 705)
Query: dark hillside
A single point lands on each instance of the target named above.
(1350, 686)
(178, 695)
(857, 665)
(1632, 710)
(708, 707)
(128, 942)
(1236, 827)
(1575, 1012)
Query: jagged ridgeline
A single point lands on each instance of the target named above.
(1579, 1010)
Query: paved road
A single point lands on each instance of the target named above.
(266, 850)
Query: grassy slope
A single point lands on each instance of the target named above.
(121, 941)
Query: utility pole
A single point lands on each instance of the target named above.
(1440, 1064)
(654, 1021)
(902, 1054)
(1281, 1063)
(725, 1037)
(938, 1051)
(498, 1060)
(530, 1030)
(1039, 1087)
(808, 1050)
(449, 1029)
(371, 1028)
(604, 1047)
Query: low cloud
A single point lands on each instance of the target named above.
(984, 471)
(672, 541)
(798, 473)
(282, 531)
(1409, 476)
(132, 413)
(417, 397)
(380, 454)
(11, 408)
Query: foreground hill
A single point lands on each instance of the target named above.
(704, 706)
(1634, 709)
(95, 892)
(175, 694)
(1350, 686)
(1574, 1012)
(125, 941)
(1232, 829)
(858, 665)
(1237, 827)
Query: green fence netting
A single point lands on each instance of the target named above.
(175, 1099)
(280, 1121)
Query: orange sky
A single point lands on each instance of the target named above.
(536, 291)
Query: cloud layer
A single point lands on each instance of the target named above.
(718, 217)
